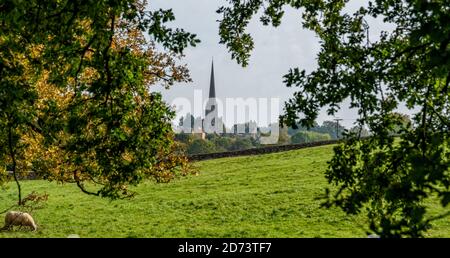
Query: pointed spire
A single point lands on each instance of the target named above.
(212, 87)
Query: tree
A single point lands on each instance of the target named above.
(403, 122)
(200, 146)
(409, 64)
(309, 136)
(284, 137)
(359, 131)
(241, 144)
(222, 143)
(74, 88)
(283, 133)
(327, 127)
(184, 137)
(297, 128)
(333, 128)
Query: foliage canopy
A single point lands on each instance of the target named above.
(75, 104)
(409, 64)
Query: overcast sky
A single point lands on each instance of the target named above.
(276, 50)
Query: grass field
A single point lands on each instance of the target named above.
(272, 195)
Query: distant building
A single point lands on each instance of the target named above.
(246, 129)
(212, 123)
(191, 125)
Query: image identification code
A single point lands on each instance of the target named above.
(227, 247)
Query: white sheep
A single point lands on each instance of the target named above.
(17, 218)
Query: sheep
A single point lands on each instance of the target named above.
(17, 218)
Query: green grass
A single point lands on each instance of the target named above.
(272, 195)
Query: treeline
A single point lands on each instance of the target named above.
(212, 143)
(194, 144)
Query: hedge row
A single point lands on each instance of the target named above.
(258, 151)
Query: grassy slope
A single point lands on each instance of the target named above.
(270, 195)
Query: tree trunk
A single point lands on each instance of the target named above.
(13, 158)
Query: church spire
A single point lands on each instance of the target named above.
(212, 122)
(212, 89)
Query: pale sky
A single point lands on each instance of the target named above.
(276, 50)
